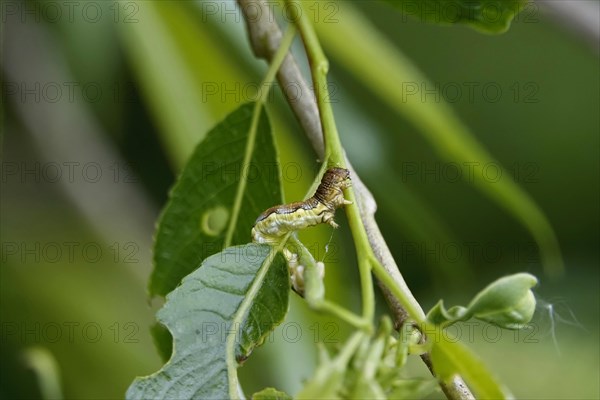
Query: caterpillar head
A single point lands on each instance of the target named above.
(332, 184)
(337, 177)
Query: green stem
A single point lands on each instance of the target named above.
(276, 62)
(314, 291)
(334, 153)
(319, 66)
(345, 315)
(406, 299)
(363, 250)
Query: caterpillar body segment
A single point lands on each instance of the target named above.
(277, 221)
(270, 228)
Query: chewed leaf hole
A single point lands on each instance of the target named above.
(214, 221)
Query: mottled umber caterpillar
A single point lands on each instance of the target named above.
(274, 223)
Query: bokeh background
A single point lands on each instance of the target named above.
(103, 101)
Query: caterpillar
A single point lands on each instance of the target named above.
(274, 223)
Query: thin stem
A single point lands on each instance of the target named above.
(319, 66)
(334, 153)
(280, 55)
(413, 308)
(314, 290)
(345, 315)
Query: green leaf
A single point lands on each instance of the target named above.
(217, 316)
(508, 303)
(450, 359)
(194, 222)
(436, 120)
(439, 315)
(271, 394)
(490, 16)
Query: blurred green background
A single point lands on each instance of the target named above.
(103, 101)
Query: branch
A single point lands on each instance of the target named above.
(265, 37)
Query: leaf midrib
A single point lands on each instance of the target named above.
(237, 204)
(238, 320)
